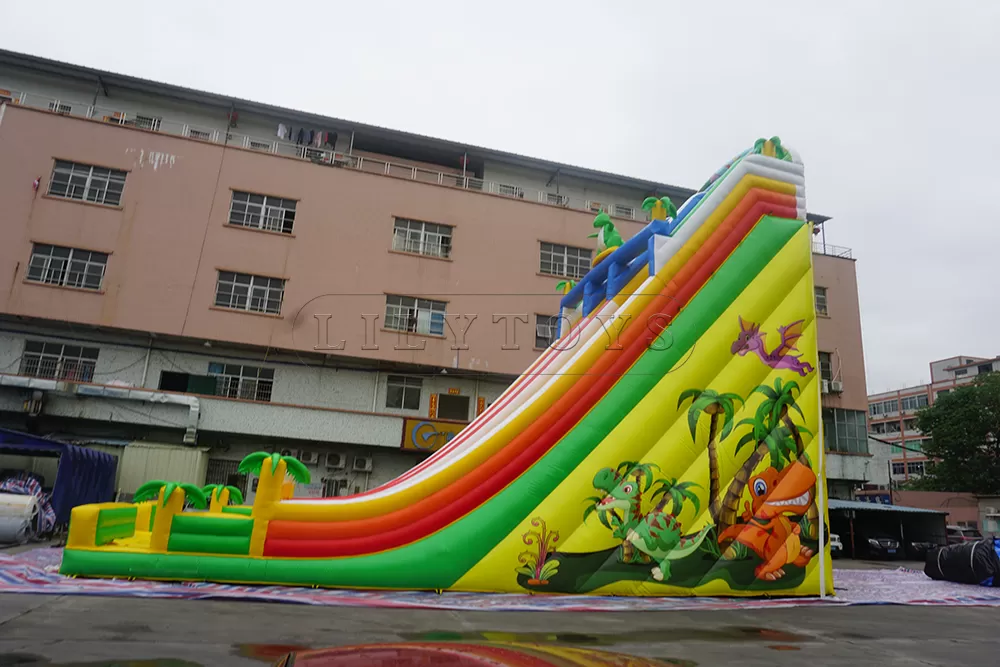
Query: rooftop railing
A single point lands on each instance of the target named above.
(821, 248)
(320, 155)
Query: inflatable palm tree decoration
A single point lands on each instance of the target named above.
(607, 235)
(152, 491)
(272, 469)
(220, 495)
(771, 148)
(565, 286)
(659, 209)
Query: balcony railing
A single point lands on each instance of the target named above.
(320, 155)
(821, 248)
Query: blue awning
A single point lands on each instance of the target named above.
(83, 475)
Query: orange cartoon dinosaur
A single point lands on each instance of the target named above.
(767, 530)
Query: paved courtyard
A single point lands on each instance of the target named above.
(64, 630)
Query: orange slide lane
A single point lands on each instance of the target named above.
(301, 538)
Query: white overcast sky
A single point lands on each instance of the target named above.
(893, 106)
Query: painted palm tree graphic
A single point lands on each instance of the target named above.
(774, 434)
(716, 406)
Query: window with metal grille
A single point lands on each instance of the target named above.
(242, 291)
(821, 307)
(407, 313)
(621, 211)
(59, 107)
(147, 122)
(914, 402)
(510, 190)
(546, 330)
(403, 393)
(273, 214)
(826, 365)
(898, 468)
(245, 382)
(258, 145)
(199, 134)
(915, 467)
(845, 430)
(56, 361)
(227, 473)
(422, 238)
(883, 407)
(68, 267)
(87, 183)
(564, 260)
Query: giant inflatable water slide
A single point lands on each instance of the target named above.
(667, 444)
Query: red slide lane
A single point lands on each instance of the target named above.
(304, 539)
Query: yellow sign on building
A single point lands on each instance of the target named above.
(422, 435)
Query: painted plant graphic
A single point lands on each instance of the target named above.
(536, 563)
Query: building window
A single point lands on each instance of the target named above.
(621, 211)
(943, 392)
(821, 307)
(421, 238)
(845, 430)
(897, 449)
(883, 407)
(453, 407)
(242, 291)
(199, 134)
(56, 361)
(246, 382)
(564, 260)
(961, 371)
(878, 428)
(892, 427)
(914, 402)
(915, 467)
(67, 267)
(87, 183)
(403, 393)
(510, 190)
(916, 446)
(59, 107)
(826, 365)
(909, 424)
(546, 330)
(898, 468)
(406, 313)
(272, 214)
(984, 368)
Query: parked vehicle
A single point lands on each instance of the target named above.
(878, 545)
(917, 549)
(836, 546)
(959, 534)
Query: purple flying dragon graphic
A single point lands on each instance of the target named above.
(751, 339)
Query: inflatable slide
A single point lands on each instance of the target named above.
(668, 443)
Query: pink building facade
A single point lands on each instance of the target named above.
(198, 271)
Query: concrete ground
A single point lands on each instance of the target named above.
(78, 630)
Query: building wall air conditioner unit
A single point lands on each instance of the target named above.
(336, 461)
(309, 458)
(826, 386)
(362, 464)
(836, 387)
